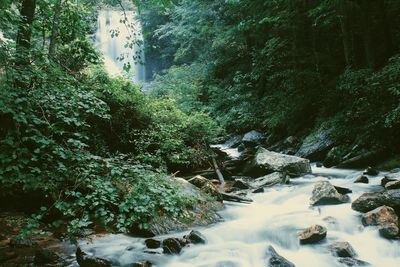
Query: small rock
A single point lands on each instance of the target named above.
(353, 262)
(342, 249)
(324, 193)
(343, 190)
(371, 171)
(152, 243)
(270, 180)
(258, 190)
(240, 184)
(46, 256)
(312, 234)
(389, 231)
(142, 264)
(86, 260)
(386, 180)
(171, 246)
(362, 179)
(276, 260)
(196, 237)
(393, 185)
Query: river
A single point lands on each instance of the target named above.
(274, 218)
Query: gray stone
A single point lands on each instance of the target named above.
(252, 138)
(266, 161)
(369, 201)
(276, 260)
(316, 145)
(270, 180)
(324, 193)
(362, 179)
(195, 237)
(342, 249)
(353, 262)
(171, 246)
(393, 185)
(86, 260)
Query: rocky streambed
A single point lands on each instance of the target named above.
(307, 222)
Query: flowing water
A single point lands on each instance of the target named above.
(274, 218)
(119, 38)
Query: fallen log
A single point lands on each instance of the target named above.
(235, 198)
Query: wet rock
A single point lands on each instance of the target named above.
(171, 246)
(233, 142)
(371, 171)
(86, 260)
(393, 185)
(206, 186)
(258, 190)
(362, 179)
(386, 180)
(142, 264)
(46, 256)
(276, 260)
(342, 249)
(7, 254)
(137, 231)
(252, 138)
(316, 145)
(152, 243)
(379, 216)
(343, 190)
(18, 242)
(353, 262)
(270, 180)
(312, 234)
(389, 231)
(324, 193)
(369, 201)
(155, 251)
(266, 161)
(240, 184)
(195, 237)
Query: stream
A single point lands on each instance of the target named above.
(274, 218)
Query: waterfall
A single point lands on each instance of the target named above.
(118, 37)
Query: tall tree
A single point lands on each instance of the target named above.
(23, 43)
(54, 29)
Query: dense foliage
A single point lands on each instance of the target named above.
(286, 67)
(77, 146)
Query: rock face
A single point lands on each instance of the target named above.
(195, 237)
(252, 138)
(171, 246)
(270, 180)
(342, 250)
(362, 179)
(369, 201)
(324, 193)
(276, 260)
(206, 186)
(316, 145)
(266, 161)
(312, 235)
(86, 260)
(385, 217)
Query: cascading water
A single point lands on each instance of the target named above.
(274, 218)
(119, 37)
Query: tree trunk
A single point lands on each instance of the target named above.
(54, 29)
(23, 43)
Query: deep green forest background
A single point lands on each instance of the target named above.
(78, 146)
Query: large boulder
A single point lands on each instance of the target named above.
(324, 193)
(312, 234)
(342, 250)
(266, 162)
(270, 180)
(206, 186)
(316, 145)
(385, 217)
(276, 260)
(369, 201)
(86, 260)
(252, 138)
